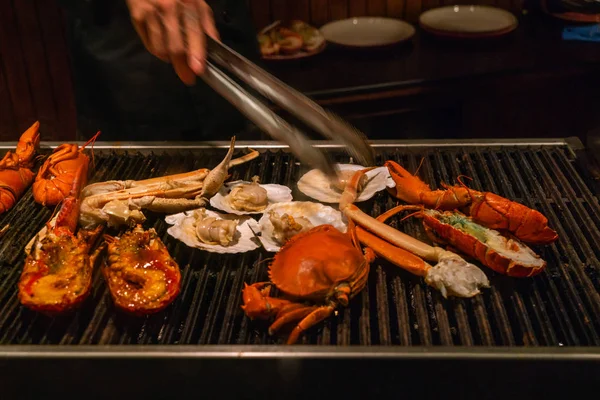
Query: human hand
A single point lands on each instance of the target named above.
(173, 30)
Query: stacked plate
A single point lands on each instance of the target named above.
(468, 21)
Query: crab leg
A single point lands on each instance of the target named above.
(285, 317)
(310, 320)
(396, 255)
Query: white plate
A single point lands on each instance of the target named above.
(316, 213)
(468, 20)
(367, 31)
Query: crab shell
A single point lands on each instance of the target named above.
(312, 264)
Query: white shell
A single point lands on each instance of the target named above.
(316, 213)
(315, 184)
(183, 229)
(275, 194)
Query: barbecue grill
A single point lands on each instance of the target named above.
(542, 331)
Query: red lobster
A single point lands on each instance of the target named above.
(15, 168)
(488, 209)
(55, 177)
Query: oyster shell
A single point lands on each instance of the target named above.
(316, 185)
(186, 225)
(241, 198)
(315, 213)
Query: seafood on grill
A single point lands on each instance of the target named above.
(316, 272)
(55, 177)
(297, 38)
(57, 274)
(118, 203)
(451, 275)
(488, 209)
(15, 168)
(507, 256)
(282, 221)
(141, 275)
(241, 197)
(318, 186)
(214, 232)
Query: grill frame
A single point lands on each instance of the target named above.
(427, 352)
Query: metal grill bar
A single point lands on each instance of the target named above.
(561, 306)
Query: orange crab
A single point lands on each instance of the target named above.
(313, 282)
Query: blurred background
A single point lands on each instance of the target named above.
(533, 81)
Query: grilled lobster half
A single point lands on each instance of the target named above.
(507, 256)
(141, 275)
(57, 274)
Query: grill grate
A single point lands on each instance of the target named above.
(559, 307)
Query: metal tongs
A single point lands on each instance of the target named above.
(325, 122)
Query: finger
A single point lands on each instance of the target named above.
(155, 37)
(174, 41)
(208, 20)
(138, 18)
(196, 56)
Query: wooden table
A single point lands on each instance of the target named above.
(530, 83)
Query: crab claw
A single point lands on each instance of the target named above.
(453, 276)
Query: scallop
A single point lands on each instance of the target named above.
(317, 185)
(242, 197)
(187, 227)
(296, 217)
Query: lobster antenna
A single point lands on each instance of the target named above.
(459, 179)
(92, 140)
(420, 165)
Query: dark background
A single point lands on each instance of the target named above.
(528, 84)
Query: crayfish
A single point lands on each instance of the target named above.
(119, 203)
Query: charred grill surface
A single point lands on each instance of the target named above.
(561, 306)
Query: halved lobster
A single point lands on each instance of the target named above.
(57, 275)
(141, 275)
(15, 168)
(55, 177)
(488, 209)
(504, 255)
